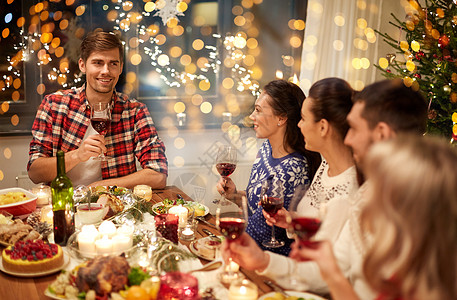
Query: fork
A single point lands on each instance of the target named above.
(202, 219)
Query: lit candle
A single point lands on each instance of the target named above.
(125, 230)
(107, 228)
(121, 243)
(86, 242)
(43, 193)
(181, 212)
(234, 267)
(46, 215)
(104, 245)
(187, 233)
(143, 191)
(243, 290)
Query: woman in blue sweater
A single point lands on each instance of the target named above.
(282, 155)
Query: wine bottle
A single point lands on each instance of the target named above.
(62, 203)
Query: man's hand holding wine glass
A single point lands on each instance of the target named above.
(100, 119)
(91, 147)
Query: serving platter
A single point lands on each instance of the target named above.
(194, 247)
(304, 295)
(157, 208)
(66, 260)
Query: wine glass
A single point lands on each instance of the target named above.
(231, 221)
(272, 200)
(100, 118)
(226, 160)
(303, 224)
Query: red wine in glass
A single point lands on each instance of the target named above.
(272, 205)
(100, 125)
(305, 228)
(225, 169)
(232, 228)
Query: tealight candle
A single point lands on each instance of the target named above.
(104, 245)
(121, 243)
(243, 290)
(234, 267)
(187, 232)
(181, 212)
(143, 191)
(46, 215)
(43, 193)
(107, 228)
(86, 242)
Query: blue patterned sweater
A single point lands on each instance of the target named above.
(292, 170)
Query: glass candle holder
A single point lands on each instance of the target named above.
(167, 226)
(43, 193)
(178, 285)
(46, 215)
(243, 290)
(143, 191)
(187, 233)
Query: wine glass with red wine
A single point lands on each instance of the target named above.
(272, 200)
(226, 160)
(100, 118)
(231, 221)
(303, 225)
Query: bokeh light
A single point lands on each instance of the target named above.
(7, 153)
(198, 44)
(206, 107)
(179, 143)
(14, 120)
(339, 20)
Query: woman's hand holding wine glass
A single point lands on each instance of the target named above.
(226, 161)
(279, 219)
(303, 225)
(272, 200)
(231, 221)
(100, 118)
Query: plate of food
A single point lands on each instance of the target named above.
(164, 206)
(17, 230)
(101, 276)
(111, 197)
(17, 201)
(45, 259)
(293, 295)
(205, 248)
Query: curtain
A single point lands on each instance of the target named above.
(340, 40)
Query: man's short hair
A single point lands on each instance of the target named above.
(100, 41)
(390, 101)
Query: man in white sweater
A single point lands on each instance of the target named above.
(381, 111)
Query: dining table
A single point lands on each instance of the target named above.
(13, 287)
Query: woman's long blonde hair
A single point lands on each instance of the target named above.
(412, 215)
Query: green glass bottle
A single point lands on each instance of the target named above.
(62, 203)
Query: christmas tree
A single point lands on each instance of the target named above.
(429, 47)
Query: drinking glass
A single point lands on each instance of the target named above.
(231, 221)
(303, 224)
(100, 118)
(226, 160)
(272, 200)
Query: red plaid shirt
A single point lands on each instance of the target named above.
(62, 120)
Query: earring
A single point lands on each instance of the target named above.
(279, 124)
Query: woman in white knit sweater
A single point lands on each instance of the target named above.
(411, 221)
(324, 127)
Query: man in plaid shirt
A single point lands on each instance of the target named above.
(63, 123)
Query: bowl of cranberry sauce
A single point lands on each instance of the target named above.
(91, 214)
